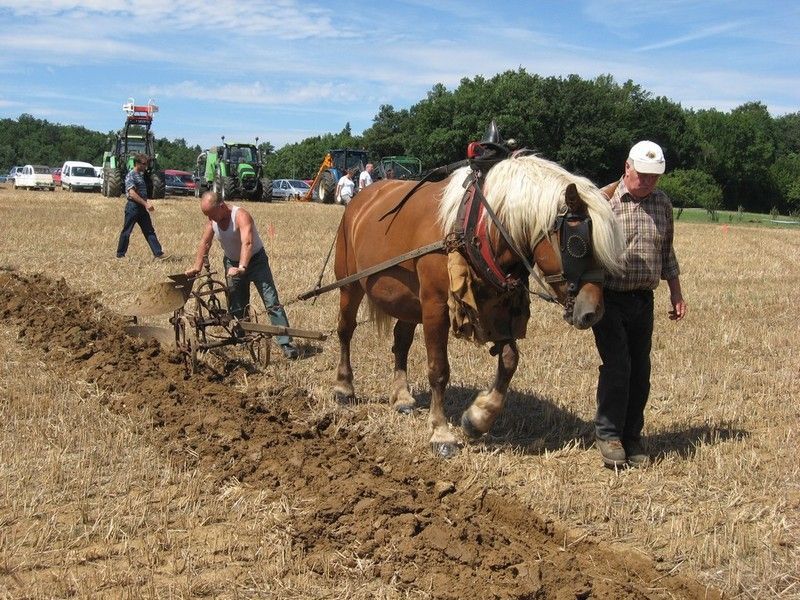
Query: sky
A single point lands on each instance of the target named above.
(285, 70)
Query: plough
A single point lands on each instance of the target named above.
(200, 319)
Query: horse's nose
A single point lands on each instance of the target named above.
(586, 320)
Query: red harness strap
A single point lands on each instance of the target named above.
(477, 248)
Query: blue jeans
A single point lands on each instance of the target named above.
(623, 338)
(259, 273)
(136, 213)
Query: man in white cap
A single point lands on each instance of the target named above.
(623, 336)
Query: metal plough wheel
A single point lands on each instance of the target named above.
(261, 345)
(186, 341)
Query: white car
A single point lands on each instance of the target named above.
(289, 189)
(35, 177)
(76, 175)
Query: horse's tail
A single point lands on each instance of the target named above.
(380, 320)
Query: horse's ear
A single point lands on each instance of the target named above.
(575, 203)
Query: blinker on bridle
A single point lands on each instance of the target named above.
(575, 249)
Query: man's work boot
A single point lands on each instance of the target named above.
(613, 453)
(290, 351)
(635, 453)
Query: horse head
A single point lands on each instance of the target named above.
(567, 258)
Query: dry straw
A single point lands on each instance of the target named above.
(722, 500)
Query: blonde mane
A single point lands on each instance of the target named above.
(527, 194)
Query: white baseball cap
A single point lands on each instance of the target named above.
(647, 157)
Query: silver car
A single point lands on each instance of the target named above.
(289, 189)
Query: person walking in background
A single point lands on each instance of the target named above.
(138, 209)
(365, 178)
(345, 187)
(245, 261)
(624, 335)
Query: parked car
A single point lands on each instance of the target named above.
(77, 175)
(34, 177)
(56, 173)
(3, 177)
(179, 183)
(12, 174)
(289, 189)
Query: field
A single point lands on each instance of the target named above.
(122, 478)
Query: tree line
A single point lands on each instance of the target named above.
(28, 140)
(715, 159)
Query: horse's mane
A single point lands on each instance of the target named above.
(527, 194)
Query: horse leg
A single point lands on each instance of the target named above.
(401, 397)
(436, 328)
(349, 299)
(481, 414)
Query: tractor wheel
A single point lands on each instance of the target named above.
(115, 182)
(159, 189)
(326, 188)
(266, 190)
(228, 188)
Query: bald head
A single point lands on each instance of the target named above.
(214, 207)
(209, 201)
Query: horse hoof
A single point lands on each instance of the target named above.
(470, 430)
(343, 397)
(405, 409)
(445, 449)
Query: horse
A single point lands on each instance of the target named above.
(537, 205)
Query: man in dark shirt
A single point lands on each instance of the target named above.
(623, 336)
(138, 209)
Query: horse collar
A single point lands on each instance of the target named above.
(473, 231)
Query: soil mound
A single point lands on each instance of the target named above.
(418, 529)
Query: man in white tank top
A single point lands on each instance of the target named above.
(245, 262)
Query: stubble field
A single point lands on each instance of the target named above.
(122, 478)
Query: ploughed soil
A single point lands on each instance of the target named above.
(422, 529)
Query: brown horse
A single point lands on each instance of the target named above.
(527, 194)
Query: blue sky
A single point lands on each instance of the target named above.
(285, 70)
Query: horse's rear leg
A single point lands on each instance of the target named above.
(481, 414)
(349, 300)
(401, 397)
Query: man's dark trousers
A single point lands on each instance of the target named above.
(623, 338)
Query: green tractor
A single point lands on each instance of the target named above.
(232, 170)
(134, 138)
(400, 167)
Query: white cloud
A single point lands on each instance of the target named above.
(257, 93)
(691, 37)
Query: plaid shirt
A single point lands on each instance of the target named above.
(648, 228)
(134, 179)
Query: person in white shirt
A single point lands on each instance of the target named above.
(245, 261)
(365, 178)
(345, 188)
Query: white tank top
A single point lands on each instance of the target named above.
(231, 241)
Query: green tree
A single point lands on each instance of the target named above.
(737, 150)
(785, 174)
(692, 188)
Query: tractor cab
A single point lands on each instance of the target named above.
(400, 167)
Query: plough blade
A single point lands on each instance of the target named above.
(160, 298)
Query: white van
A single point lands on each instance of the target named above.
(34, 177)
(77, 175)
